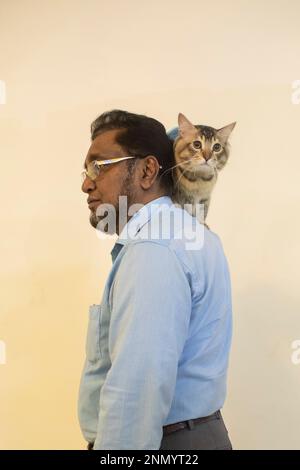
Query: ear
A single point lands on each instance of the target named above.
(185, 126)
(225, 132)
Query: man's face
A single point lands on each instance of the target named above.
(113, 181)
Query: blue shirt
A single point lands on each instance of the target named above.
(157, 347)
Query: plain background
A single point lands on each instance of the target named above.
(64, 62)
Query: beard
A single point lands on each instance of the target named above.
(109, 222)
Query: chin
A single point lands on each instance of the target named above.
(101, 224)
(205, 170)
(93, 220)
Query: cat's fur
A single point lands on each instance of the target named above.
(196, 169)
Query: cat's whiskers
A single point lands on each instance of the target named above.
(179, 178)
(172, 167)
(183, 171)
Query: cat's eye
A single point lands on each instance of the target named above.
(217, 147)
(197, 144)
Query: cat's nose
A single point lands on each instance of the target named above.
(206, 156)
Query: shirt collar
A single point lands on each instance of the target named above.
(140, 218)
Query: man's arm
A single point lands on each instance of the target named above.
(151, 308)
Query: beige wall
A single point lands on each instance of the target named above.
(63, 63)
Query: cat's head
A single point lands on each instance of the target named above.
(201, 149)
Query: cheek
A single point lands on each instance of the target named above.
(222, 159)
(105, 190)
(219, 156)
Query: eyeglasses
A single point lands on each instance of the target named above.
(96, 167)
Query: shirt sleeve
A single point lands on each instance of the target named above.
(151, 308)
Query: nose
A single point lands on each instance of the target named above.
(88, 185)
(206, 155)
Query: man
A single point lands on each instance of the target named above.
(158, 345)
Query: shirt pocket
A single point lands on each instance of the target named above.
(93, 352)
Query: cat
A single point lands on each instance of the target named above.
(200, 152)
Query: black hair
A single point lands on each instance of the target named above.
(142, 136)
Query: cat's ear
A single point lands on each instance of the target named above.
(225, 132)
(185, 126)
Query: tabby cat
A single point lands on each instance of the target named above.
(200, 152)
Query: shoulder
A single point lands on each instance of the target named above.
(147, 255)
(174, 236)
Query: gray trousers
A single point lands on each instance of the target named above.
(210, 434)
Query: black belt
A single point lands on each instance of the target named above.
(190, 423)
